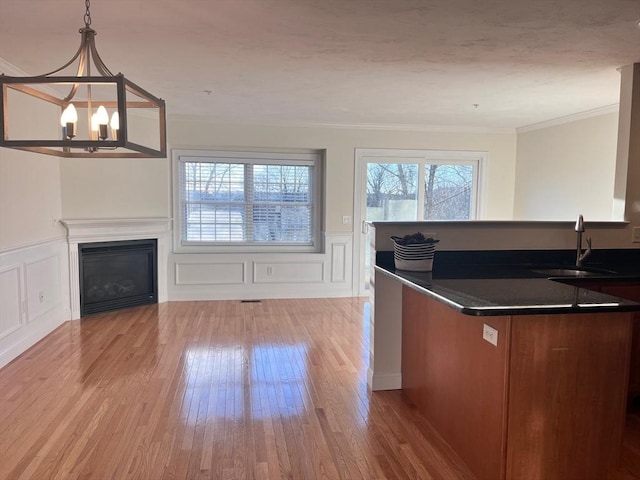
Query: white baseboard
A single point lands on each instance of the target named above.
(384, 381)
(227, 292)
(32, 334)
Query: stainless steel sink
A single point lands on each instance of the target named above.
(570, 272)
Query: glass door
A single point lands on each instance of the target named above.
(411, 185)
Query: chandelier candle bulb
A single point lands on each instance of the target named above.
(68, 120)
(115, 125)
(102, 118)
(94, 126)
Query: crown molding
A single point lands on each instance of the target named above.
(347, 126)
(11, 70)
(596, 112)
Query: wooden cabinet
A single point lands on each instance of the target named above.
(567, 395)
(631, 291)
(547, 402)
(457, 379)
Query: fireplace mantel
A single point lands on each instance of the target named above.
(106, 229)
(90, 230)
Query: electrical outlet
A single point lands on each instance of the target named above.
(269, 271)
(346, 219)
(490, 334)
(635, 235)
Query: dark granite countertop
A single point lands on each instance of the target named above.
(519, 284)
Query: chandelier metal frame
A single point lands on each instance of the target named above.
(129, 97)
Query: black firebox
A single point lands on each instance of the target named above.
(115, 275)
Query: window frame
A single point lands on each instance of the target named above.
(251, 156)
(478, 159)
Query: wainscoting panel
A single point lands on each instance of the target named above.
(339, 265)
(43, 286)
(210, 273)
(11, 312)
(288, 272)
(34, 295)
(265, 275)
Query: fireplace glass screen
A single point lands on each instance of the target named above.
(115, 275)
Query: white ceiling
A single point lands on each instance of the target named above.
(347, 62)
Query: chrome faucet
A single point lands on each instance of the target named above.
(580, 255)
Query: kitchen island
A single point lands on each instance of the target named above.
(524, 374)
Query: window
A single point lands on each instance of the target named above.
(261, 199)
(430, 189)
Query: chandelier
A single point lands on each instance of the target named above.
(85, 114)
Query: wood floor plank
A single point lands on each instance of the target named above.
(214, 390)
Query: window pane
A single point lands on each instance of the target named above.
(448, 192)
(392, 191)
(214, 223)
(281, 223)
(274, 220)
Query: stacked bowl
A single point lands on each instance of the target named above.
(415, 257)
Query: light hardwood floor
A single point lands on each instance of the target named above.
(225, 390)
(219, 390)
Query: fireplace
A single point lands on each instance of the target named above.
(92, 231)
(117, 274)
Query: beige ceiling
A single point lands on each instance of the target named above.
(347, 62)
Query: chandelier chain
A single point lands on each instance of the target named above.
(87, 14)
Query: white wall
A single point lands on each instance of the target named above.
(627, 176)
(30, 195)
(115, 187)
(29, 182)
(118, 187)
(568, 169)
